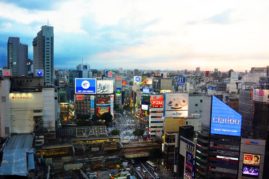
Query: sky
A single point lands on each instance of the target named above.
(144, 34)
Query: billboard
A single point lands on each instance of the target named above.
(100, 110)
(176, 104)
(85, 85)
(6, 73)
(224, 120)
(79, 97)
(261, 95)
(146, 90)
(144, 107)
(248, 170)
(180, 80)
(251, 159)
(189, 165)
(137, 79)
(156, 101)
(92, 102)
(103, 100)
(118, 91)
(105, 87)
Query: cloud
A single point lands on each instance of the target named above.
(175, 34)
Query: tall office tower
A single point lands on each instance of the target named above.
(17, 56)
(43, 45)
(85, 69)
(246, 108)
(218, 145)
(261, 118)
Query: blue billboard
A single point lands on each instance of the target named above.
(85, 86)
(224, 120)
(181, 80)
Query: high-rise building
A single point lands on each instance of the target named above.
(218, 144)
(17, 56)
(43, 45)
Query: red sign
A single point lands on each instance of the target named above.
(79, 97)
(6, 72)
(156, 101)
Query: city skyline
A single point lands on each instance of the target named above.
(149, 35)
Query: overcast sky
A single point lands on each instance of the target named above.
(148, 34)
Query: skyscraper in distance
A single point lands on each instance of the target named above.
(43, 45)
(17, 56)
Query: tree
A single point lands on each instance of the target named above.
(138, 132)
(115, 132)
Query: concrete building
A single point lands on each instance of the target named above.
(85, 70)
(156, 118)
(43, 45)
(252, 155)
(4, 107)
(17, 56)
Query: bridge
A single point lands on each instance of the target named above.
(139, 149)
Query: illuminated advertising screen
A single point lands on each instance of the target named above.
(85, 85)
(100, 110)
(251, 159)
(79, 97)
(105, 100)
(156, 101)
(144, 107)
(189, 166)
(118, 91)
(146, 90)
(224, 120)
(176, 104)
(137, 79)
(248, 170)
(180, 80)
(105, 87)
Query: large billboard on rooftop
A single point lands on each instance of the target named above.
(224, 120)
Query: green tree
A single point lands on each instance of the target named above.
(115, 132)
(139, 132)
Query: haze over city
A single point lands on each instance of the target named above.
(151, 34)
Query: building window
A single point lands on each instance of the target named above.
(4, 99)
(196, 105)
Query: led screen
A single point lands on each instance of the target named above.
(224, 120)
(252, 159)
(105, 87)
(248, 170)
(85, 85)
(145, 107)
(189, 166)
(156, 101)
